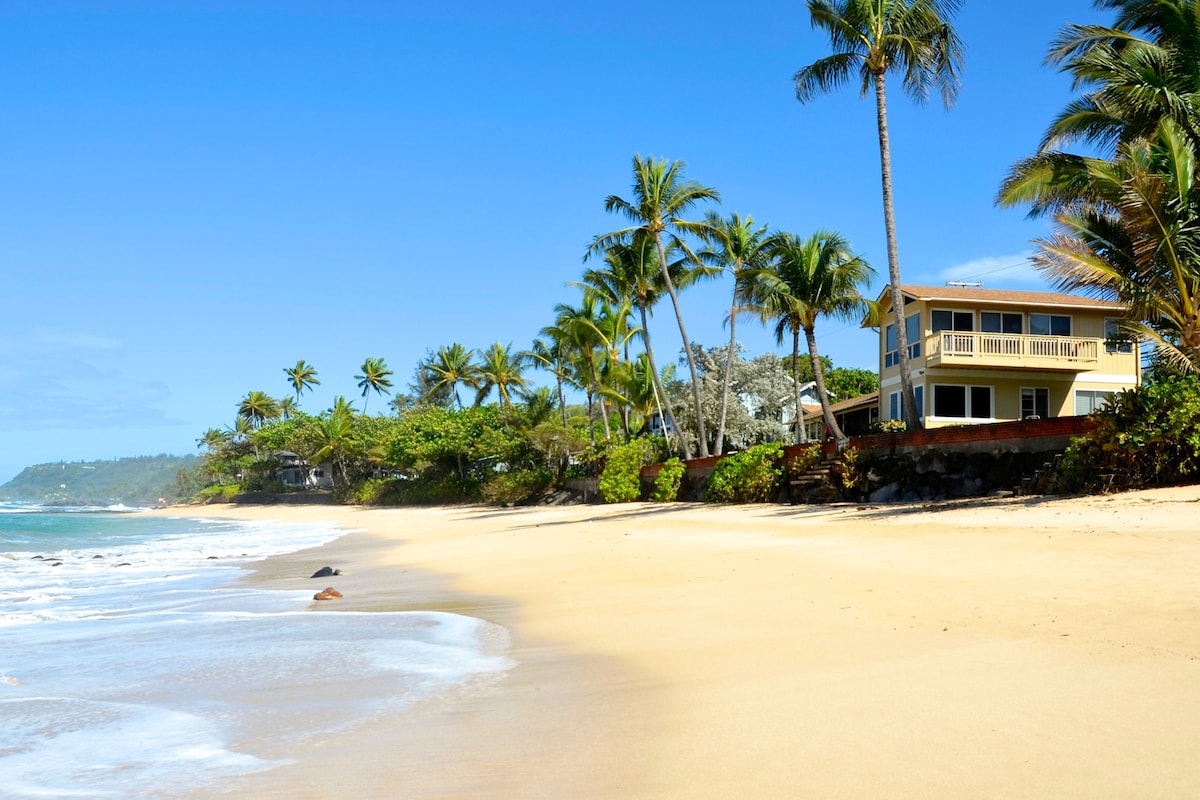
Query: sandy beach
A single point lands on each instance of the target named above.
(1020, 648)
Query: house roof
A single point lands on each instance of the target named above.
(1000, 297)
(862, 401)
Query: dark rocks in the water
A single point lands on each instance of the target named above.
(97, 556)
(56, 564)
(213, 558)
(328, 593)
(39, 558)
(326, 572)
(123, 564)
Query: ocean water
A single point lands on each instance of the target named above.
(131, 664)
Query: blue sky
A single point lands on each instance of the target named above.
(195, 195)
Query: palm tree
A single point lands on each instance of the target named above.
(580, 328)
(1126, 220)
(287, 407)
(302, 377)
(374, 375)
(631, 272)
(258, 407)
(1138, 241)
(335, 437)
(501, 368)
(551, 356)
(213, 440)
(453, 365)
(808, 278)
(871, 38)
(660, 197)
(737, 246)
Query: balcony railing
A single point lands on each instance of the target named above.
(962, 348)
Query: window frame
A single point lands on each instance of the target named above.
(1050, 318)
(1114, 341)
(969, 410)
(955, 315)
(1035, 412)
(1004, 316)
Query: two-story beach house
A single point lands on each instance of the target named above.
(988, 355)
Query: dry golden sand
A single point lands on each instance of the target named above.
(1024, 648)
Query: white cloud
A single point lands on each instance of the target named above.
(996, 272)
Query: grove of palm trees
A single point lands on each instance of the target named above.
(475, 423)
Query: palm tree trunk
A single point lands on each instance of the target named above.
(603, 406)
(726, 379)
(907, 395)
(687, 347)
(562, 403)
(822, 395)
(664, 405)
(801, 434)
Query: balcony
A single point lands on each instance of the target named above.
(1013, 351)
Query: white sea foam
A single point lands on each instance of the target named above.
(126, 681)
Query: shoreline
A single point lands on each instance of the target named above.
(1025, 647)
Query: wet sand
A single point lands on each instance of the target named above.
(1024, 648)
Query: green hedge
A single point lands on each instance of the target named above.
(668, 480)
(621, 480)
(751, 476)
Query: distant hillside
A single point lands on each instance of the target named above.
(132, 481)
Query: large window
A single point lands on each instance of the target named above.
(1049, 325)
(1000, 322)
(912, 327)
(1035, 403)
(952, 320)
(962, 402)
(1115, 341)
(896, 407)
(1089, 400)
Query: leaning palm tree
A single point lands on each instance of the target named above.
(374, 376)
(809, 278)
(1138, 241)
(735, 245)
(453, 365)
(870, 39)
(302, 376)
(660, 197)
(502, 369)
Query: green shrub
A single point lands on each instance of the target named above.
(849, 470)
(379, 492)
(751, 476)
(1148, 436)
(517, 486)
(621, 480)
(668, 480)
(889, 426)
(221, 493)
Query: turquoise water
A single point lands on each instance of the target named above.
(132, 664)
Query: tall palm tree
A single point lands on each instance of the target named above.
(335, 438)
(287, 407)
(871, 38)
(257, 408)
(809, 278)
(549, 353)
(213, 440)
(302, 376)
(631, 272)
(502, 369)
(580, 328)
(374, 375)
(453, 365)
(735, 245)
(660, 197)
